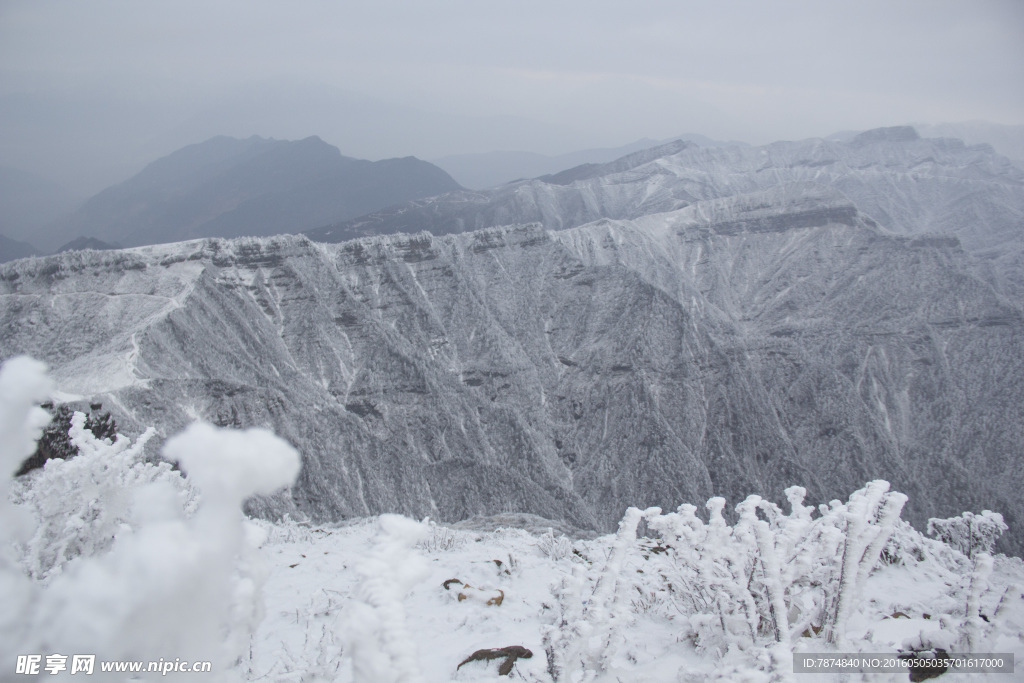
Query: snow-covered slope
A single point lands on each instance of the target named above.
(735, 345)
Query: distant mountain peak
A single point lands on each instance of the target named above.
(81, 243)
(229, 187)
(889, 134)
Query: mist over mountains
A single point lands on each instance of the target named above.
(28, 205)
(90, 135)
(1006, 140)
(36, 210)
(679, 323)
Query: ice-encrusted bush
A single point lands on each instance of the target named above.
(867, 522)
(969, 533)
(749, 587)
(555, 548)
(908, 547)
(167, 585)
(961, 552)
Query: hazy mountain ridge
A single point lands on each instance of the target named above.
(735, 345)
(491, 169)
(226, 187)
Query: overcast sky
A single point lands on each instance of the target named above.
(559, 73)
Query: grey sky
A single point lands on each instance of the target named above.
(562, 74)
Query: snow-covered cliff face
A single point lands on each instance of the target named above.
(907, 184)
(731, 346)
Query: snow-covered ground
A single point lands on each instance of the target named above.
(313, 575)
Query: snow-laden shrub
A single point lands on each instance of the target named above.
(440, 539)
(588, 637)
(23, 384)
(962, 554)
(80, 505)
(167, 585)
(969, 533)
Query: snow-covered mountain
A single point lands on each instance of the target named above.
(770, 334)
(909, 185)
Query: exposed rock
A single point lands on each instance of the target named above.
(509, 654)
